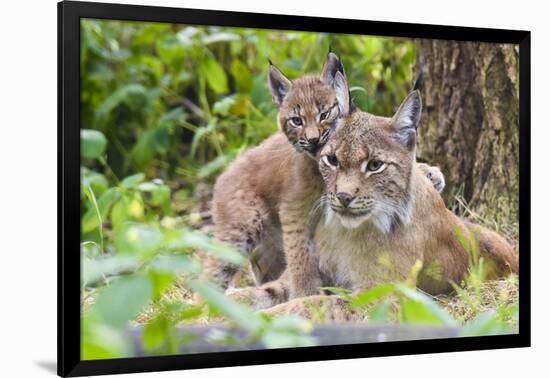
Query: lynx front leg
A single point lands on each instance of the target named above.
(239, 223)
(302, 259)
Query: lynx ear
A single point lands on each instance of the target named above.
(342, 93)
(278, 84)
(332, 66)
(406, 119)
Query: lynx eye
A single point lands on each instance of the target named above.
(374, 166)
(330, 160)
(324, 115)
(296, 122)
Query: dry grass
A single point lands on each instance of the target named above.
(500, 296)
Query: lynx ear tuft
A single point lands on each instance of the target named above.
(342, 93)
(278, 84)
(332, 66)
(406, 120)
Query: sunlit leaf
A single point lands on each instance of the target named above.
(207, 244)
(176, 264)
(122, 300)
(215, 76)
(373, 294)
(242, 76)
(215, 166)
(133, 180)
(380, 312)
(155, 333)
(92, 143)
(94, 269)
(100, 341)
(236, 312)
(486, 323)
(417, 307)
(92, 218)
(140, 239)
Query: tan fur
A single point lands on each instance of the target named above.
(262, 203)
(266, 201)
(404, 219)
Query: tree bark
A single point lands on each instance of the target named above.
(470, 122)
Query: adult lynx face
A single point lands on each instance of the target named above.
(367, 167)
(308, 107)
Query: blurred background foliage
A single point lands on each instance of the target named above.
(164, 109)
(181, 101)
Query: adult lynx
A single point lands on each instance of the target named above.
(264, 203)
(383, 215)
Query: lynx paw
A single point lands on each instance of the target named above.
(256, 297)
(435, 175)
(318, 308)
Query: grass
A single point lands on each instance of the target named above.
(500, 296)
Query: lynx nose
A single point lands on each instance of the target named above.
(344, 198)
(313, 141)
(312, 144)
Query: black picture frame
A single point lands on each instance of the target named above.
(69, 15)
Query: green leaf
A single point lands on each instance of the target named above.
(215, 166)
(176, 264)
(119, 214)
(242, 76)
(155, 333)
(380, 312)
(161, 281)
(288, 331)
(189, 312)
(160, 193)
(372, 295)
(215, 76)
(133, 95)
(133, 181)
(122, 300)
(171, 51)
(223, 106)
(161, 196)
(92, 143)
(337, 290)
(236, 312)
(417, 307)
(94, 180)
(93, 218)
(137, 238)
(100, 341)
(485, 324)
(94, 269)
(200, 241)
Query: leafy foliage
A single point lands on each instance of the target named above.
(149, 87)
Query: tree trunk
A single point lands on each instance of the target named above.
(470, 122)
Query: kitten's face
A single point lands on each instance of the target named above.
(367, 165)
(308, 113)
(308, 107)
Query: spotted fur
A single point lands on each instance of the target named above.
(391, 217)
(262, 203)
